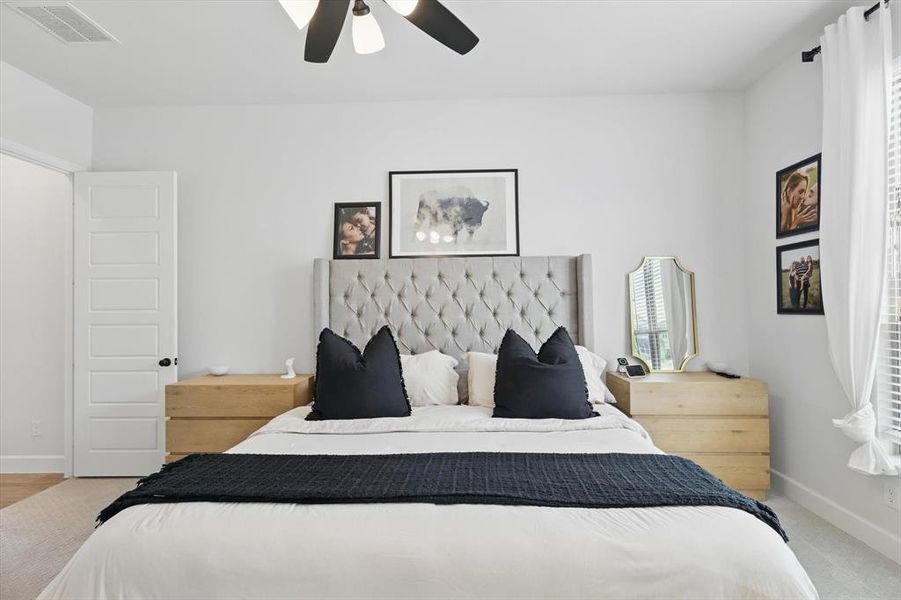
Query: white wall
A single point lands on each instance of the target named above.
(41, 121)
(34, 206)
(619, 177)
(783, 126)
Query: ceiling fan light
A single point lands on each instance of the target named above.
(367, 34)
(403, 7)
(300, 11)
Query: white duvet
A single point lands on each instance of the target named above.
(220, 550)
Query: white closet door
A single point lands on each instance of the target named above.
(125, 320)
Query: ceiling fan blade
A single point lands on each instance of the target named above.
(436, 20)
(324, 29)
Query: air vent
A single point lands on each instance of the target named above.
(63, 21)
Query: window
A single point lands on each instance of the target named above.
(651, 330)
(888, 387)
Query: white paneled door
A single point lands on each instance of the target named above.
(125, 320)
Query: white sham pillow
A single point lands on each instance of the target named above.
(430, 378)
(595, 367)
(483, 367)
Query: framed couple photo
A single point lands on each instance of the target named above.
(798, 286)
(357, 233)
(798, 198)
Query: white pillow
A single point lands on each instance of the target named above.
(483, 367)
(430, 378)
(594, 367)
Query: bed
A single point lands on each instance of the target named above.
(418, 550)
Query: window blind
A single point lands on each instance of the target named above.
(888, 386)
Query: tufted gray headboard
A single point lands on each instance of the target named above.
(455, 304)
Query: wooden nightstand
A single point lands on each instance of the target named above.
(212, 414)
(721, 424)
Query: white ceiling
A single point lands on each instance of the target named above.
(202, 52)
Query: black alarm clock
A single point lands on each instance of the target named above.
(635, 371)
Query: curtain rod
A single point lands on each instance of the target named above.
(808, 55)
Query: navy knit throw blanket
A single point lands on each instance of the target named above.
(505, 478)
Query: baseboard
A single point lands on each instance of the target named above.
(869, 533)
(32, 464)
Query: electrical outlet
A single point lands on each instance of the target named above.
(890, 492)
(35, 429)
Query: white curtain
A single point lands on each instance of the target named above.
(856, 75)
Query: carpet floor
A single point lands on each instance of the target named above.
(840, 566)
(38, 535)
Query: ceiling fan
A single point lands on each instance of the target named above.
(326, 19)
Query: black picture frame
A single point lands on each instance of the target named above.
(780, 233)
(336, 231)
(781, 308)
(391, 208)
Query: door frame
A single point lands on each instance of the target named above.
(68, 168)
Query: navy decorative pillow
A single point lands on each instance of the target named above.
(354, 385)
(549, 385)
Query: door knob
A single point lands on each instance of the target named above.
(165, 362)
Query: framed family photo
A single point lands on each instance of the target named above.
(357, 229)
(798, 198)
(453, 213)
(798, 288)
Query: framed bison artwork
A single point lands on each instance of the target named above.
(453, 213)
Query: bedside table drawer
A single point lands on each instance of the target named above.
(708, 434)
(740, 471)
(692, 403)
(185, 436)
(237, 396)
(744, 397)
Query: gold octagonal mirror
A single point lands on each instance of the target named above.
(664, 320)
